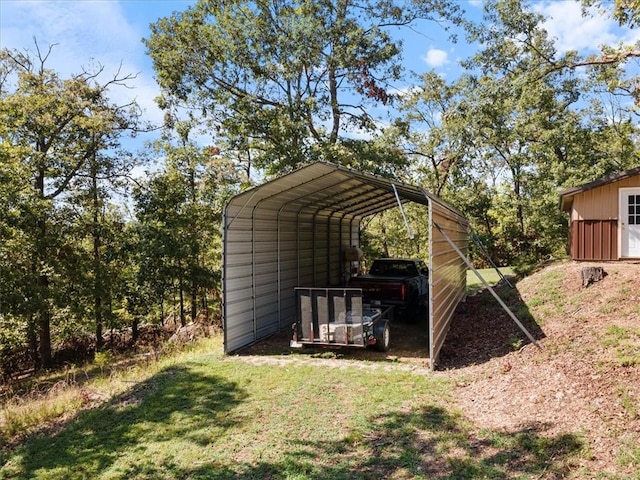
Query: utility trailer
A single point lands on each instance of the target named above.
(337, 317)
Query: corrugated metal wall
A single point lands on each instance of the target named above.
(448, 272)
(268, 252)
(594, 240)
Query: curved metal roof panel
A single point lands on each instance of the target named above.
(330, 188)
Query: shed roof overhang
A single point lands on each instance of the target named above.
(567, 196)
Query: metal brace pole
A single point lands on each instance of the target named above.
(406, 223)
(504, 306)
(477, 241)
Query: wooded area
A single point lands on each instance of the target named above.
(88, 247)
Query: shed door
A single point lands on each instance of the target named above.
(630, 222)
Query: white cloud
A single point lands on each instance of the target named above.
(435, 57)
(572, 31)
(82, 31)
(86, 34)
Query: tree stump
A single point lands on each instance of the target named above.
(592, 275)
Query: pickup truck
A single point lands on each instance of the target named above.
(398, 282)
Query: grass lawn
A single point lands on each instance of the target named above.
(489, 274)
(209, 416)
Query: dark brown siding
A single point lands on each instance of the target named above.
(594, 240)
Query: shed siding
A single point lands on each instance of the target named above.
(594, 239)
(600, 203)
(593, 232)
(448, 273)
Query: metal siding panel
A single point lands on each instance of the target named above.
(240, 224)
(268, 237)
(601, 203)
(240, 246)
(238, 320)
(305, 278)
(237, 303)
(588, 239)
(239, 272)
(266, 289)
(239, 295)
(594, 240)
(447, 272)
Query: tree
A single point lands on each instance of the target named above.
(290, 80)
(54, 128)
(178, 210)
(499, 141)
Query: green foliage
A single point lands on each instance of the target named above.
(279, 85)
(387, 235)
(289, 80)
(178, 211)
(514, 129)
(53, 185)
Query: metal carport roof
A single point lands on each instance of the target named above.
(294, 231)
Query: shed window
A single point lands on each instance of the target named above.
(634, 209)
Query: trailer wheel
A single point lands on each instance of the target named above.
(383, 341)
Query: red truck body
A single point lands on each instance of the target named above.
(401, 283)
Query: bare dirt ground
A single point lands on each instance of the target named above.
(583, 380)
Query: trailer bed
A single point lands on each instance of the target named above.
(338, 317)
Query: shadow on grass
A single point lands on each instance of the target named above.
(431, 444)
(176, 403)
(170, 428)
(481, 330)
(428, 444)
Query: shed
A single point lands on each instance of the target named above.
(604, 217)
(297, 230)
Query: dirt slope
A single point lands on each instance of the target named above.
(585, 378)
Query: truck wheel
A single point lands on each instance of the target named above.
(383, 341)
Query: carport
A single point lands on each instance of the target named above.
(296, 230)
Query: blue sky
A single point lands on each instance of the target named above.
(110, 32)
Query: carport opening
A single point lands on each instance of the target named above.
(298, 230)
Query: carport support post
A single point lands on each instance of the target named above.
(504, 306)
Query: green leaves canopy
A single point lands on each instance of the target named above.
(285, 79)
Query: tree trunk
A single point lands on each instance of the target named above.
(341, 12)
(97, 261)
(592, 275)
(134, 330)
(44, 314)
(183, 320)
(194, 303)
(32, 339)
(44, 330)
(205, 304)
(385, 246)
